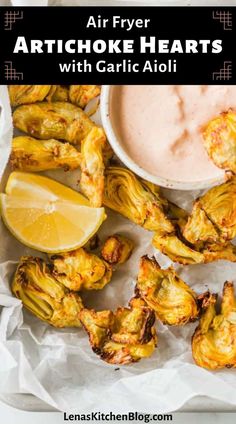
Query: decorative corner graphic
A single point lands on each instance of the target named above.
(224, 73)
(10, 17)
(225, 17)
(10, 73)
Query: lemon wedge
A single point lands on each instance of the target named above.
(46, 215)
(23, 184)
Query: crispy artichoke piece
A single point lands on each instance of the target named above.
(135, 199)
(173, 301)
(30, 154)
(122, 337)
(92, 166)
(65, 121)
(220, 140)
(213, 252)
(60, 120)
(81, 270)
(178, 251)
(213, 218)
(153, 188)
(23, 94)
(199, 228)
(142, 203)
(117, 249)
(203, 236)
(81, 95)
(44, 296)
(214, 340)
(195, 240)
(98, 326)
(58, 93)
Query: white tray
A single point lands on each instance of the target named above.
(30, 403)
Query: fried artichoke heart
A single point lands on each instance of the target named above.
(173, 301)
(60, 120)
(79, 270)
(32, 155)
(213, 218)
(214, 340)
(213, 252)
(81, 95)
(93, 165)
(64, 121)
(177, 250)
(124, 336)
(142, 203)
(44, 296)
(58, 93)
(220, 140)
(173, 243)
(203, 236)
(23, 94)
(117, 249)
(135, 199)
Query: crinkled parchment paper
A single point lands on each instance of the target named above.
(59, 367)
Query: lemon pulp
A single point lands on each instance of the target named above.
(46, 215)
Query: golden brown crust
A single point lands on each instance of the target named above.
(64, 121)
(93, 166)
(204, 235)
(59, 120)
(219, 137)
(79, 270)
(32, 155)
(117, 249)
(176, 249)
(124, 336)
(173, 301)
(200, 237)
(219, 222)
(45, 296)
(81, 95)
(25, 94)
(135, 199)
(214, 340)
(58, 93)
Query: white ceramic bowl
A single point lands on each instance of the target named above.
(115, 143)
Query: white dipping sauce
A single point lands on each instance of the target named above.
(160, 127)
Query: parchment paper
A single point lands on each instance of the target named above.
(59, 367)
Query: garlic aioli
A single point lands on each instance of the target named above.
(160, 127)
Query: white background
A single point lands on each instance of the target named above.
(10, 415)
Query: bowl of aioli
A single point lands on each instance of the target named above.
(156, 131)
